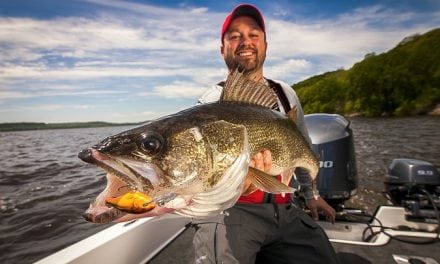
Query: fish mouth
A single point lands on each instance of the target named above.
(124, 176)
(137, 175)
(99, 211)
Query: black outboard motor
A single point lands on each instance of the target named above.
(415, 185)
(332, 142)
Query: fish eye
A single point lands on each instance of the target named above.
(152, 144)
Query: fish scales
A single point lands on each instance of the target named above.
(267, 129)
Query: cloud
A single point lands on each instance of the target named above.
(123, 49)
(134, 116)
(62, 47)
(50, 107)
(81, 49)
(329, 44)
(12, 94)
(72, 34)
(287, 67)
(7, 95)
(177, 90)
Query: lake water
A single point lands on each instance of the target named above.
(45, 188)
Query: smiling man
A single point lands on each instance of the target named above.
(244, 44)
(262, 227)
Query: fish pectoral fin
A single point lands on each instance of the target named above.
(268, 183)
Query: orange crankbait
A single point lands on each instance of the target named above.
(133, 202)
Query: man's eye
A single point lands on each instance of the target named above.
(234, 37)
(254, 34)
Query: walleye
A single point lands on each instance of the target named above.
(195, 162)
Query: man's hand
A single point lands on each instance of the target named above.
(320, 204)
(262, 161)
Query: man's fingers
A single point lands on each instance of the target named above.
(262, 160)
(331, 215)
(267, 160)
(314, 212)
(330, 218)
(259, 162)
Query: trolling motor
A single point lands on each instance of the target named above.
(415, 185)
(332, 142)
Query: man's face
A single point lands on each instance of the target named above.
(244, 44)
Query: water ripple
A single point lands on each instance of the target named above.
(45, 188)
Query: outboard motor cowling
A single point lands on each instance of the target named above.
(332, 142)
(415, 185)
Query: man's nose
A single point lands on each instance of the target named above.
(245, 40)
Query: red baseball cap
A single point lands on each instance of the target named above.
(243, 10)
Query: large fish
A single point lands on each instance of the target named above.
(195, 162)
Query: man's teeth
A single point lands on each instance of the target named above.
(245, 54)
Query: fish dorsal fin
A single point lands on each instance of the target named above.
(243, 88)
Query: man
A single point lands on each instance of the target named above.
(261, 227)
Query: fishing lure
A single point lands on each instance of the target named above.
(132, 202)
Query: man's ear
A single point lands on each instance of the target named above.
(222, 48)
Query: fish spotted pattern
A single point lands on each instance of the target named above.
(195, 162)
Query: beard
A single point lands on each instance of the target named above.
(247, 66)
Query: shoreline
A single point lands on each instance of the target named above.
(435, 111)
(26, 126)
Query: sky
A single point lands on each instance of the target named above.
(132, 61)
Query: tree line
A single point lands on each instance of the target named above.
(403, 81)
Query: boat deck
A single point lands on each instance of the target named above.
(399, 242)
(168, 239)
(181, 251)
